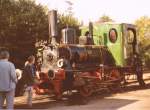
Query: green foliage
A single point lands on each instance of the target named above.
(22, 22)
(143, 27)
(104, 18)
(67, 20)
(143, 32)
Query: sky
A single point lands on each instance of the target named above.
(126, 11)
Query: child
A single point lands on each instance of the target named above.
(29, 75)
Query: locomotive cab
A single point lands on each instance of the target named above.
(130, 43)
(121, 41)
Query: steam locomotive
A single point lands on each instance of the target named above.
(100, 60)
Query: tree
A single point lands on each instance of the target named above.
(143, 32)
(70, 7)
(22, 23)
(104, 18)
(143, 27)
(67, 20)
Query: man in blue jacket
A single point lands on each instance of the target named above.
(8, 80)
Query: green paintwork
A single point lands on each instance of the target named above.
(101, 37)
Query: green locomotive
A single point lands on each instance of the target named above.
(103, 56)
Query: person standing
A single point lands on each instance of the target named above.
(137, 66)
(29, 75)
(8, 80)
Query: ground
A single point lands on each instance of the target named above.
(132, 97)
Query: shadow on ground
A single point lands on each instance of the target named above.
(97, 103)
(97, 100)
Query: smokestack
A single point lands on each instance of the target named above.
(53, 33)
